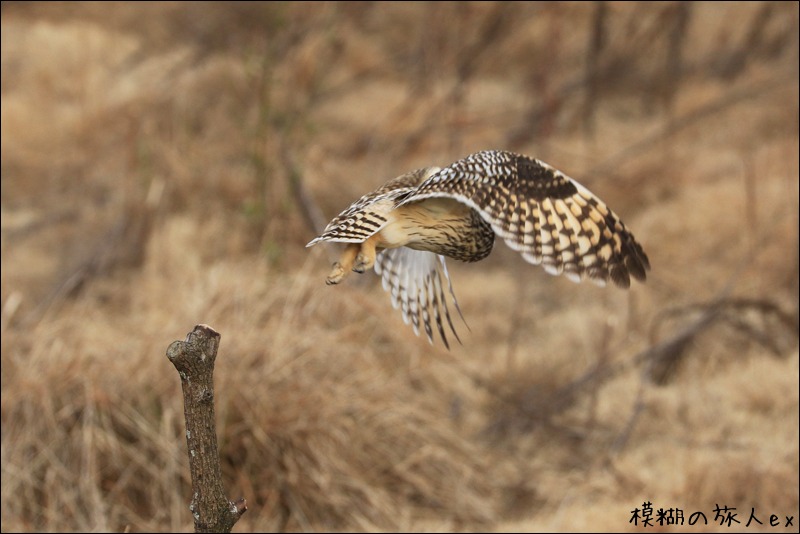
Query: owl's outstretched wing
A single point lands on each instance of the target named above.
(370, 213)
(418, 282)
(547, 216)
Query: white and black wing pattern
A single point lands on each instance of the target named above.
(367, 215)
(418, 283)
(547, 216)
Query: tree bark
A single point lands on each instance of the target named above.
(194, 360)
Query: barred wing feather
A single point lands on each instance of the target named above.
(416, 281)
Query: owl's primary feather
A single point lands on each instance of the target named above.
(407, 226)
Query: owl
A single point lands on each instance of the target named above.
(407, 228)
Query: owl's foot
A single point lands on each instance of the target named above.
(357, 257)
(342, 268)
(345, 264)
(337, 274)
(365, 259)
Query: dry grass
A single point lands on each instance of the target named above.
(150, 157)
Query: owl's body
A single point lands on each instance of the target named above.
(406, 227)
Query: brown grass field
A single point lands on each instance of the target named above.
(164, 165)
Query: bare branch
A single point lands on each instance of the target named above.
(194, 360)
(315, 219)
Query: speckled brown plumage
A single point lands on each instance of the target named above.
(406, 227)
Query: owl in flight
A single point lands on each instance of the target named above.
(406, 228)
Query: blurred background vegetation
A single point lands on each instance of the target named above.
(164, 164)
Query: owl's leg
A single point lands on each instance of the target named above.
(366, 257)
(342, 267)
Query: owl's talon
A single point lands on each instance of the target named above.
(337, 274)
(363, 262)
